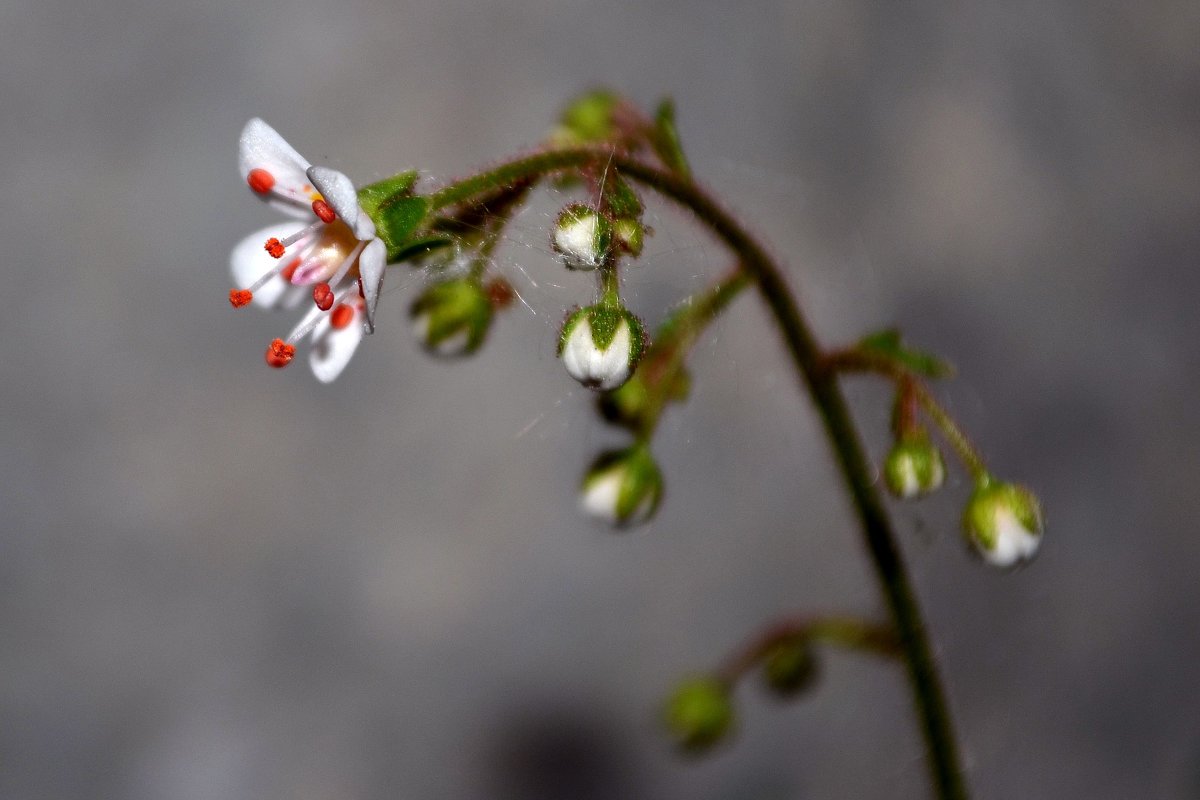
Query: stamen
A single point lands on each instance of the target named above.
(276, 247)
(341, 317)
(313, 317)
(280, 353)
(324, 211)
(323, 296)
(240, 297)
(260, 180)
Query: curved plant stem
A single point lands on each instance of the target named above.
(822, 384)
(850, 633)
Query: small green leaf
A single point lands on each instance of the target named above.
(888, 344)
(666, 138)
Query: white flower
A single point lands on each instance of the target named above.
(582, 237)
(1004, 523)
(600, 346)
(330, 253)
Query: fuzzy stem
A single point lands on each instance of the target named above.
(852, 360)
(822, 384)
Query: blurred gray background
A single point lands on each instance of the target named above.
(220, 581)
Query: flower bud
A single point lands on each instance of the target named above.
(600, 345)
(1004, 523)
(630, 235)
(582, 237)
(699, 713)
(622, 487)
(790, 667)
(914, 467)
(451, 318)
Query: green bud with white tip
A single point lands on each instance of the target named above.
(1003, 521)
(622, 487)
(699, 714)
(582, 236)
(452, 318)
(914, 467)
(601, 345)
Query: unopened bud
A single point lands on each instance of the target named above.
(1004, 523)
(622, 487)
(790, 667)
(914, 467)
(699, 714)
(600, 345)
(630, 235)
(582, 237)
(452, 318)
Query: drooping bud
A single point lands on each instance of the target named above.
(600, 345)
(582, 236)
(452, 318)
(699, 714)
(623, 487)
(1003, 522)
(790, 667)
(914, 467)
(630, 234)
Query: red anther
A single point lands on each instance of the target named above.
(240, 297)
(280, 353)
(274, 247)
(500, 293)
(342, 316)
(323, 296)
(324, 211)
(260, 180)
(290, 270)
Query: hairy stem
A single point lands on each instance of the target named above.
(822, 384)
(852, 360)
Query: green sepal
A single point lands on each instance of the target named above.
(397, 220)
(621, 199)
(421, 246)
(374, 195)
(604, 322)
(888, 344)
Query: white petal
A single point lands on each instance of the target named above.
(338, 191)
(601, 494)
(332, 348)
(250, 261)
(260, 147)
(370, 268)
(1014, 543)
(593, 367)
(576, 241)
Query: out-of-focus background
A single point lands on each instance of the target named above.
(221, 581)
